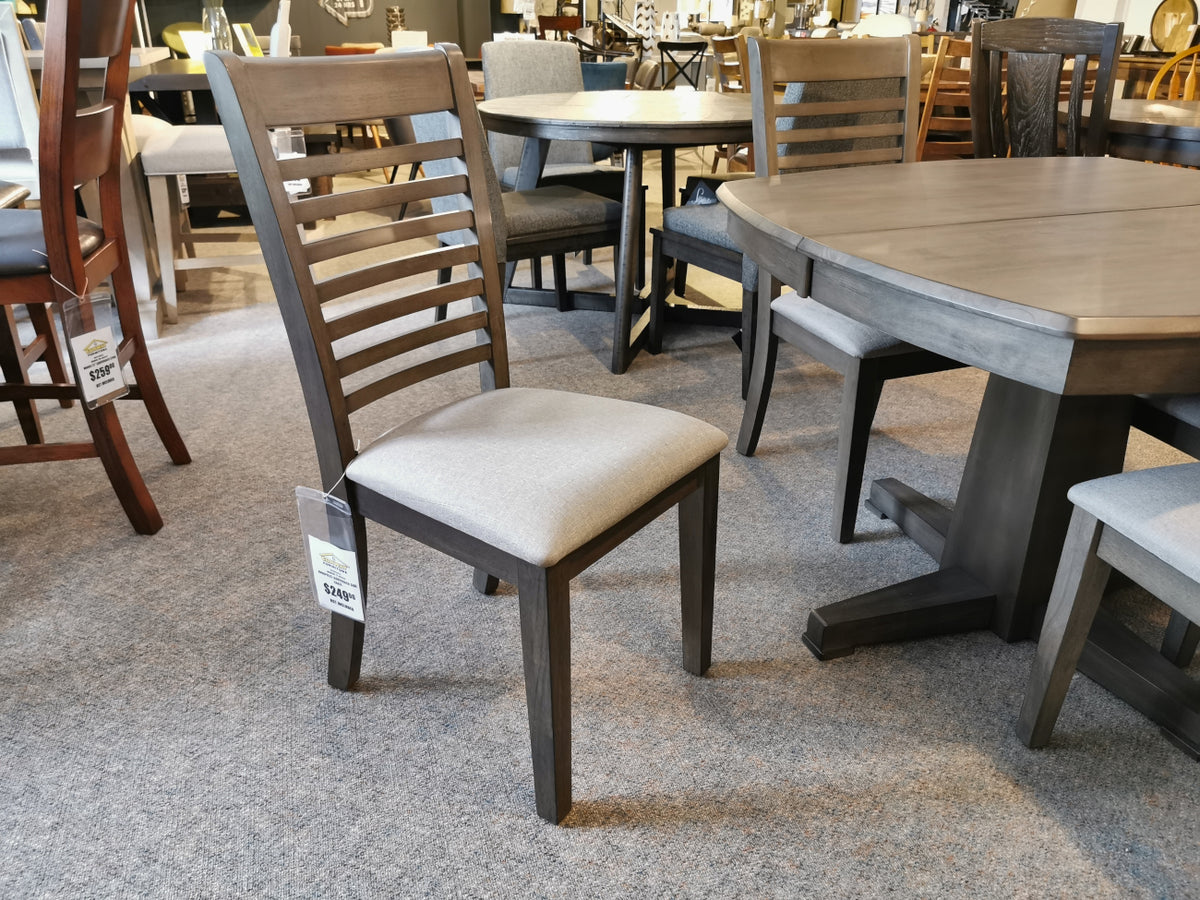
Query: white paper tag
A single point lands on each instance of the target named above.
(184, 197)
(335, 573)
(100, 377)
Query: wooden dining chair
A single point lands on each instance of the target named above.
(729, 56)
(945, 130)
(847, 103)
(50, 255)
(562, 26)
(1147, 525)
(682, 61)
(528, 486)
(1181, 83)
(1017, 68)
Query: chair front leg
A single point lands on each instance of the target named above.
(1078, 587)
(544, 598)
(762, 371)
(697, 568)
(345, 634)
(860, 399)
(484, 583)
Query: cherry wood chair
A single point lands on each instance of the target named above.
(864, 92)
(564, 27)
(945, 130)
(1017, 82)
(1147, 525)
(50, 255)
(528, 486)
(1181, 85)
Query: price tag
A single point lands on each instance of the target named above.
(99, 370)
(335, 578)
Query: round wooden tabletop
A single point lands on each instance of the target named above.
(646, 118)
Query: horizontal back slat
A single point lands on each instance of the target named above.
(413, 340)
(384, 84)
(362, 319)
(93, 142)
(390, 232)
(841, 132)
(394, 270)
(853, 158)
(368, 394)
(838, 107)
(331, 206)
(361, 160)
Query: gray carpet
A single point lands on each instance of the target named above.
(166, 729)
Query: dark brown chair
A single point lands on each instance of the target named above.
(1017, 75)
(49, 255)
(564, 27)
(528, 486)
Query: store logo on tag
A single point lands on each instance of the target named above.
(330, 560)
(95, 347)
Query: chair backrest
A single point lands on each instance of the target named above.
(604, 76)
(729, 56)
(847, 103)
(1179, 86)
(355, 295)
(517, 68)
(80, 145)
(646, 78)
(679, 59)
(883, 25)
(560, 25)
(945, 131)
(18, 108)
(1017, 71)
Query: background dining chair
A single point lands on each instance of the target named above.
(1017, 73)
(545, 221)
(683, 62)
(1146, 524)
(867, 94)
(49, 255)
(729, 58)
(1181, 85)
(528, 486)
(18, 108)
(945, 130)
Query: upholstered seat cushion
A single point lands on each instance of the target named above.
(536, 473)
(145, 127)
(1184, 407)
(560, 209)
(706, 223)
(23, 246)
(188, 150)
(1158, 509)
(848, 335)
(12, 194)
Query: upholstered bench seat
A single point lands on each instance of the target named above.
(187, 149)
(504, 466)
(23, 246)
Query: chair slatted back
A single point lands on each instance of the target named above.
(1180, 86)
(945, 131)
(847, 103)
(79, 145)
(1017, 68)
(357, 294)
(727, 58)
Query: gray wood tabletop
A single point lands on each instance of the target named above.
(1155, 130)
(648, 118)
(1070, 281)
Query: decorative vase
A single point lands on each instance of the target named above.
(395, 18)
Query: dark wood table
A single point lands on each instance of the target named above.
(1069, 280)
(635, 121)
(1165, 131)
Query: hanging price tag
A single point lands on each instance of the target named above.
(335, 578)
(97, 367)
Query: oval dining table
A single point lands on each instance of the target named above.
(635, 121)
(1070, 281)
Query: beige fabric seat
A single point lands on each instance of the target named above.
(178, 151)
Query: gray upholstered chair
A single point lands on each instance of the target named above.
(544, 221)
(172, 153)
(785, 139)
(1147, 525)
(528, 486)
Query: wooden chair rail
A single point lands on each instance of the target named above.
(397, 381)
(330, 206)
(327, 248)
(394, 270)
(441, 330)
(359, 320)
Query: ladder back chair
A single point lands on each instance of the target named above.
(525, 485)
(729, 57)
(1017, 81)
(945, 131)
(847, 103)
(49, 255)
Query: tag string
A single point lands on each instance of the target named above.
(357, 447)
(63, 286)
